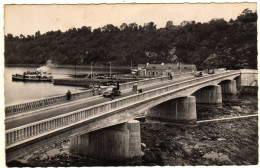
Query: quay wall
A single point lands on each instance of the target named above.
(249, 90)
(249, 77)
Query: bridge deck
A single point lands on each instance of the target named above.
(59, 109)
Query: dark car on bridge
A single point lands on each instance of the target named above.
(111, 91)
(198, 74)
(211, 71)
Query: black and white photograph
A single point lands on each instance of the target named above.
(130, 84)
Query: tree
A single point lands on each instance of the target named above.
(109, 28)
(22, 36)
(9, 36)
(97, 31)
(124, 27)
(169, 25)
(149, 26)
(133, 27)
(37, 34)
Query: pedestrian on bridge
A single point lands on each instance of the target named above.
(99, 90)
(140, 91)
(112, 96)
(169, 76)
(68, 95)
(93, 91)
(135, 87)
(117, 85)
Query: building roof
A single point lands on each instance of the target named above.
(164, 66)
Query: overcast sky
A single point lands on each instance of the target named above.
(27, 19)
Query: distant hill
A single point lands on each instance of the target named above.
(217, 43)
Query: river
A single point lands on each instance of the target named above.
(18, 92)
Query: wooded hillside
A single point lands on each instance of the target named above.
(218, 43)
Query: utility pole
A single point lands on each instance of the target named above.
(91, 70)
(180, 67)
(75, 70)
(110, 70)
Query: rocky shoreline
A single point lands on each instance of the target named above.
(232, 142)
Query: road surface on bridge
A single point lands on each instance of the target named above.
(53, 111)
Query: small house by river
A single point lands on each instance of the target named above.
(154, 70)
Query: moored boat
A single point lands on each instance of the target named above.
(33, 76)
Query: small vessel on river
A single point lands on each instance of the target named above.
(33, 76)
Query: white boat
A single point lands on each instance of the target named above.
(33, 76)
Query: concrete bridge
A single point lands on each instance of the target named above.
(108, 129)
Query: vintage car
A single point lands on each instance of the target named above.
(111, 91)
(198, 74)
(211, 71)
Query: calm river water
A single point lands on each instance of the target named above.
(19, 92)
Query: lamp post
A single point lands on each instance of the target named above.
(180, 67)
(91, 70)
(110, 69)
(75, 70)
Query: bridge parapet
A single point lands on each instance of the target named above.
(12, 109)
(41, 128)
(16, 108)
(249, 77)
(148, 81)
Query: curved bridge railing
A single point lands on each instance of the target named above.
(31, 131)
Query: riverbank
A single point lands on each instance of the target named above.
(233, 142)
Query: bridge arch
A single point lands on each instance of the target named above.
(201, 88)
(180, 110)
(210, 95)
(229, 86)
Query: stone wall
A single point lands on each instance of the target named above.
(249, 77)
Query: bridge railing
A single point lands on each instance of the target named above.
(44, 102)
(129, 85)
(13, 109)
(43, 127)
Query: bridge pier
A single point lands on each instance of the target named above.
(180, 111)
(118, 142)
(210, 95)
(229, 87)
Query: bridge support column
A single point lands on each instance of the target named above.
(229, 87)
(181, 111)
(209, 95)
(113, 143)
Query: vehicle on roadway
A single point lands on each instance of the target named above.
(112, 91)
(198, 74)
(211, 71)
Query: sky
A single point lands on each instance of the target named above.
(27, 19)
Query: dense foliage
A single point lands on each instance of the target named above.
(217, 43)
